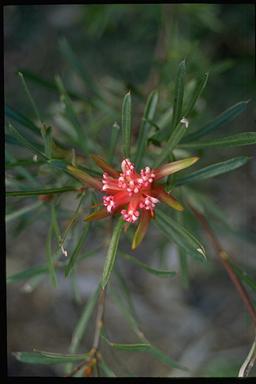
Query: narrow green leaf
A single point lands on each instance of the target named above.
(32, 101)
(72, 221)
(50, 261)
(138, 347)
(36, 192)
(39, 80)
(183, 267)
(165, 359)
(28, 273)
(81, 327)
(14, 215)
(154, 271)
(243, 275)
(113, 141)
(224, 118)
(55, 224)
(83, 322)
(22, 163)
(126, 124)
(149, 113)
(163, 123)
(75, 253)
(111, 255)
(35, 148)
(174, 139)
(59, 164)
(212, 170)
(180, 235)
(11, 140)
(42, 357)
(106, 369)
(236, 140)
(153, 124)
(71, 115)
(197, 92)
(178, 95)
(21, 119)
(48, 142)
(183, 258)
(77, 65)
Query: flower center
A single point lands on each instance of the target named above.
(129, 188)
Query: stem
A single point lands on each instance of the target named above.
(99, 319)
(225, 260)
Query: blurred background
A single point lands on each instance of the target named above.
(204, 325)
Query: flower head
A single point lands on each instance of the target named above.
(131, 194)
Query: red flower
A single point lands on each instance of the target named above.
(133, 195)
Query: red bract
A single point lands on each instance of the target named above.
(133, 195)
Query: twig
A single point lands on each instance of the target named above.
(224, 258)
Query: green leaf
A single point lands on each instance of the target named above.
(75, 253)
(21, 119)
(197, 92)
(79, 133)
(39, 80)
(32, 101)
(59, 164)
(180, 235)
(163, 124)
(224, 118)
(24, 275)
(111, 255)
(183, 267)
(82, 324)
(178, 95)
(36, 192)
(113, 141)
(77, 65)
(106, 369)
(42, 357)
(154, 271)
(149, 113)
(174, 139)
(22, 162)
(14, 215)
(212, 170)
(48, 142)
(80, 328)
(126, 124)
(165, 359)
(55, 225)
(50, 261)
(138, 347)
(236, 140)
(243, 275)
(35, 148)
